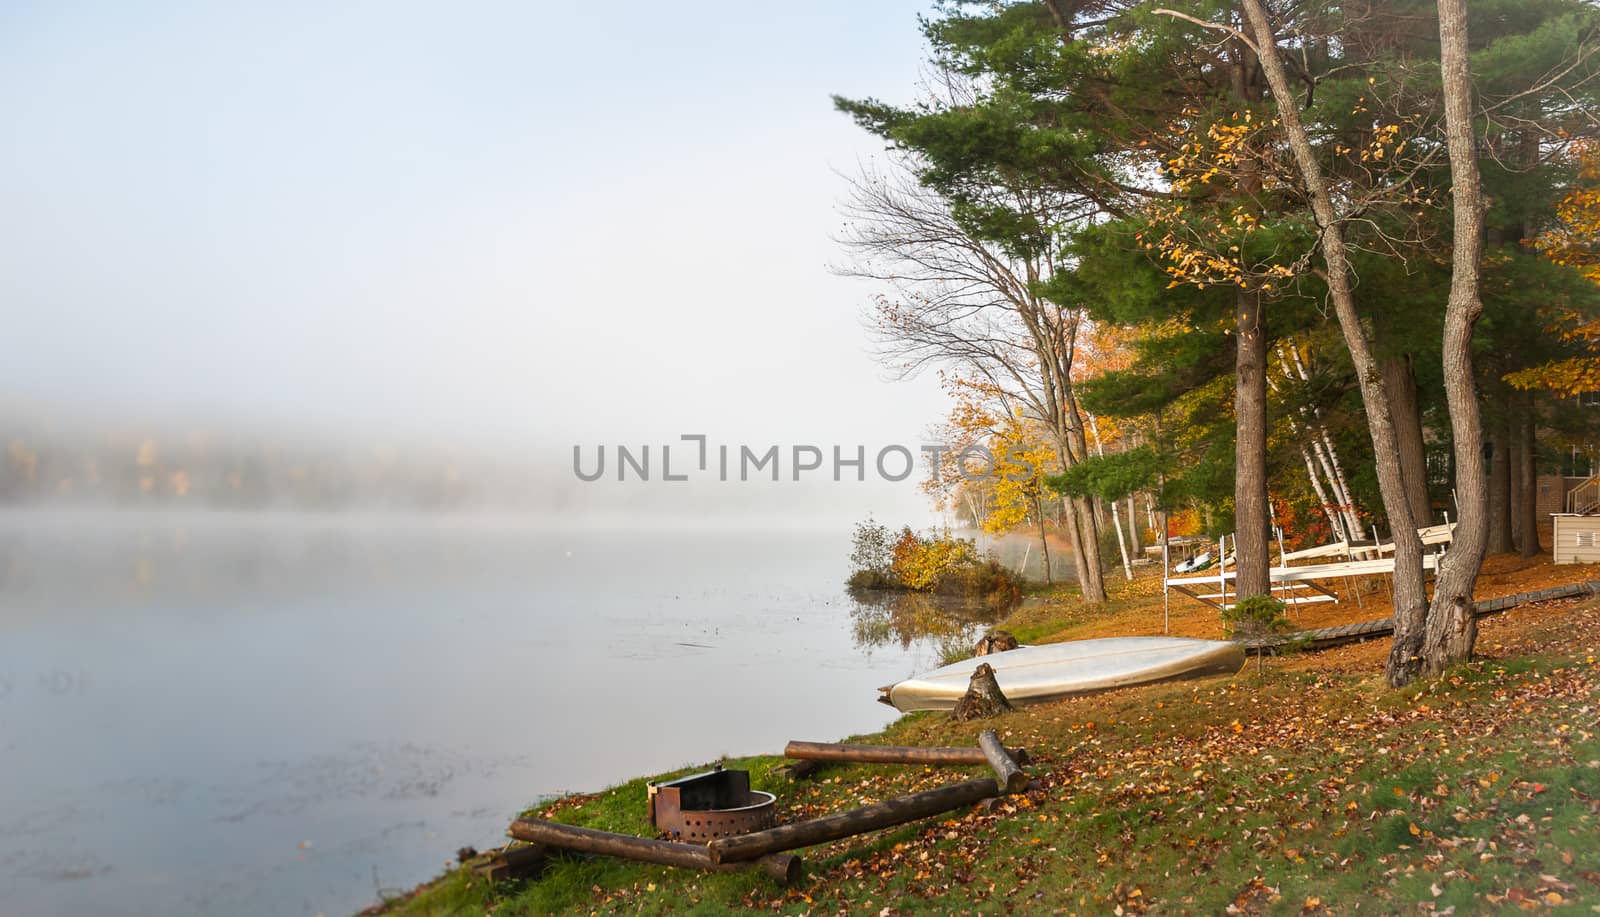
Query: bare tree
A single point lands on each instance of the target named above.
(958, 300)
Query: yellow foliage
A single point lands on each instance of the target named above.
(921, 567)
(1021, 461)
(1574, 243)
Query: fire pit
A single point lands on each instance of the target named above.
(702, 807)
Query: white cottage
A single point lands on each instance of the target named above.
(1577, 538)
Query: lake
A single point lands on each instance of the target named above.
(281, 714)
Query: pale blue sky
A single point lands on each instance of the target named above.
(359, 194)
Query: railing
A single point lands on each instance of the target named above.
(1584, 498)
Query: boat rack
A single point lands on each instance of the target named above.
(1298, 585)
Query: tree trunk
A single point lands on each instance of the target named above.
(894, 754)
(1327, 456)
(1528, 478)
(1085, 534)
(1044, 543)
(1410, 596)
(1341, 487)
(1400, 381)
(1091, 579)
(1514, 462)
(1451, 624)
(1135, 544)
(1116, 517)
(1122, 543)
(1252, 519)
(1335, 522)
(1499, 459)
(1252, 532)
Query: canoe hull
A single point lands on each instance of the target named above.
(1035, 674)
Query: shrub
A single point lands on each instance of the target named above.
(902, 555)
(1255, 616)
(938, 562)
(872, 579)
(999, 588)
(869, 548)
(921, 563)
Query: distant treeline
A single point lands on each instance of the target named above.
(199, 470)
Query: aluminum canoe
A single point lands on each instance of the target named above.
(1034, 674)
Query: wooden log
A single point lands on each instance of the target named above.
(784, 868)
(513, 862)
(893, 754)
(884, 814)
(796, 770)
(1011, 777)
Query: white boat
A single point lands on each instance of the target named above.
(1034, 674)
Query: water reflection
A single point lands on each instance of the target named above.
(904, 619)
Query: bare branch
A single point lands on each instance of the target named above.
(1214, 26)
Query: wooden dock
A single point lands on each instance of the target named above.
(1325, 637)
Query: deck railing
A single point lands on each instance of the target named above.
(1585, 497)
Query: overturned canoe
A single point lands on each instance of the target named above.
(1033, 674)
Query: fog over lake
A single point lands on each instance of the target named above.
(283, 714)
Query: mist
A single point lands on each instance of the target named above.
(468, 243)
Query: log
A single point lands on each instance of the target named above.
(797, 770)
(513, 862)
(892, 754)
(1011, 777)
(884, 814)
(784, 868)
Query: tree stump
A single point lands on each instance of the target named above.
(983, 698)
(995, 641)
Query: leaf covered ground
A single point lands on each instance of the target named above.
(1306, 787)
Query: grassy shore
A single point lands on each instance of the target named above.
(1306, 787)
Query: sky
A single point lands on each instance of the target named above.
(513, 227)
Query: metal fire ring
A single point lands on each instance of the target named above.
(703, 807)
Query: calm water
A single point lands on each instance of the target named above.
(205, 715)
